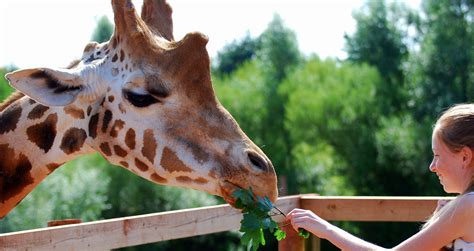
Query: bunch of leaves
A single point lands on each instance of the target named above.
(257, 218)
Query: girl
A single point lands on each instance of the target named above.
(452, 224)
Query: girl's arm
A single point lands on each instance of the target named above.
(306, 219)
(452, 224)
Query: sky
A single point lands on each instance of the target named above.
(52, 33)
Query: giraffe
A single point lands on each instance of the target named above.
(142, 100)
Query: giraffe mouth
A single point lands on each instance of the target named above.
(227, 188)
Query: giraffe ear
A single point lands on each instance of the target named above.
(50, 87)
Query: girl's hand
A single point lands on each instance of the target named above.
(308, 220)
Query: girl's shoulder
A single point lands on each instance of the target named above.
(467, 198)
(465, 205)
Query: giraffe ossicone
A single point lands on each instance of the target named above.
(143, 100)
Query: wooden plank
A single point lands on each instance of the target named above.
(131, 231)
(396, 209)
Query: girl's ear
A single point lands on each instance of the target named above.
(467, 155)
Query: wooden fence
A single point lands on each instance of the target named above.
(142, 229)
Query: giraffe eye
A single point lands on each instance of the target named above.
(140, 100)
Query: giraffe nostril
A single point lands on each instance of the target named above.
(258, 162)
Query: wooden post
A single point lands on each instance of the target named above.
(292, 242)
(315, 243)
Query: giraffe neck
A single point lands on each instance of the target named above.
(34, 141)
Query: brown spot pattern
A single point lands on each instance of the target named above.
(105, 148)
(107, 119)
(89, 109)
(171, 162)
(14, 173)
(73, 140)
(142, 166)
(74, 112)
(37, 112)
(124, 164)
(157, 178)
(198, 152)
(122, 56)
(93, 125)
(119, 151)
(201, 181)
(111, 99)
(9, 118)
(184, 179)
(53, 166)
(130, 138)
(116, 127)
(149, 145)
(43, 134)
(102, 102)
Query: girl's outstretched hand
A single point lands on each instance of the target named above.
(308, 220)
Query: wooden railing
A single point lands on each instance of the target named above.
(142, 229)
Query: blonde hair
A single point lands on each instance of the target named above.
(455, 128)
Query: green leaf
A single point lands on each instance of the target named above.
(255, 219)
(303, 233)
(262, 237)
(250, 222)
(279, 234)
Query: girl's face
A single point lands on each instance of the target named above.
(452, 168)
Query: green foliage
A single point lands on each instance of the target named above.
(233, 55)
(5, 88)
(380, 41)
(279, 56)
(256, 218)
(333, 106)
(242, 95)
(279, 53)
(442, 73)
(257, 212)
(76, 190)
(103, 31)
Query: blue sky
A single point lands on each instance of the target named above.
(51, 33)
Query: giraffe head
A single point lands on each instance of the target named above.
(150, 106)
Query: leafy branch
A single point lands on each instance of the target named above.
(257, 213)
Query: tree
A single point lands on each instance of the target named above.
(233, 55)
(103, 31)
(332, 108)
(379, 41)
(279, 56)
(242, 94)
(442, 73)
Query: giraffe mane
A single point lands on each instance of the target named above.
(12, 98)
